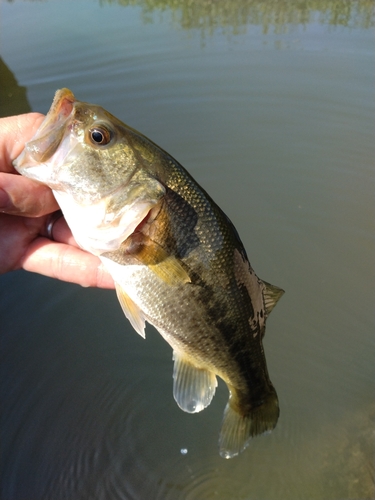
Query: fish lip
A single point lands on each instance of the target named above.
(51, 132)
(58, 114)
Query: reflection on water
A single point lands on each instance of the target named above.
(283, 141)
(13, 99)
(353, 455)
(232, 16)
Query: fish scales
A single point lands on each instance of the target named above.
(214, 235)
(176, 258)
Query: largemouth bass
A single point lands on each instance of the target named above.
(177, 260)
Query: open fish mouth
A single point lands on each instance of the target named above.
(51, 132)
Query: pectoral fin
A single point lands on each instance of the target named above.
(132, 311)
(170, 271)
(168, 267)
(193, 388)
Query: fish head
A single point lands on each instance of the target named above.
(89, 159)
(79, 148)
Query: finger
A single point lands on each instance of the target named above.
(61, 232)
(15, 236)
(21, 196)
(66, 263)
(15, 131)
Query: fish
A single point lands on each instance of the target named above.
(177, 260)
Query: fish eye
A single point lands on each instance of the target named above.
(100, 136)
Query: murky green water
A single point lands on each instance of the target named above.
(270, 106)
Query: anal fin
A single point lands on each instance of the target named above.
(193, 388)
(131, 311)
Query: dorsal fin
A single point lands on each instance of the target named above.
(271, 295)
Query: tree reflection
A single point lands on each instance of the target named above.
(233, 16)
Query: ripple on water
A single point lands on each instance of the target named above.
(100, 456)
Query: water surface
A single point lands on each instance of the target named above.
(272, 111)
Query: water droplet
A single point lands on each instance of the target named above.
(191, 406)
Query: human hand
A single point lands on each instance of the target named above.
(25, 208)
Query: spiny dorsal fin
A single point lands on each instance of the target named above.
(131, 311)
(193, 388)
(271, 295)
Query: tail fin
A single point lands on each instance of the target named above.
(237, 429)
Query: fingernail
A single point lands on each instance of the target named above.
(5, 201)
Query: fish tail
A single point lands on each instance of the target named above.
(237, 428)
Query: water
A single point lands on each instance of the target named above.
(272, 111)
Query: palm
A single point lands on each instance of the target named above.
(25, 206)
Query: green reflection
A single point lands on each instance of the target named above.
(233, 16)
(13, 99)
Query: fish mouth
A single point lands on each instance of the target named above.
(51, 132)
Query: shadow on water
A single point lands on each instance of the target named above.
(13, 98)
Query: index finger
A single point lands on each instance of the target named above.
(18, 195)
(15, 131)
